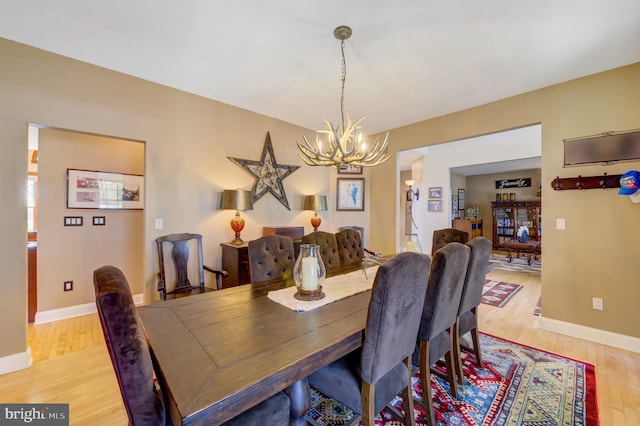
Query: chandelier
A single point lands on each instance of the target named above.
(349, 148)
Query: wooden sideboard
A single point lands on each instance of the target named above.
(471, 226)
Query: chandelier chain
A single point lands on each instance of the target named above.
(343, 79)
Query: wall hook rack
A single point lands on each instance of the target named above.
(586, 182)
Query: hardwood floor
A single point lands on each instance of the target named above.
(71, 363)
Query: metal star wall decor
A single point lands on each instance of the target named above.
(268, 174)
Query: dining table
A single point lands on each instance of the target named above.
(218, 354)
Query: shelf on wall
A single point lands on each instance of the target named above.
(586, 182)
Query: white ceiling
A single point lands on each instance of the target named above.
(406, 61)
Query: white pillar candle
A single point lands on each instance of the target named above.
(309, 273)
(411, 246)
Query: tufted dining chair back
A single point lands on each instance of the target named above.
(328, 247)
(349, 246)
(271, 257)
(442, 237)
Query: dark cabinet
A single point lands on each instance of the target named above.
(235, 260)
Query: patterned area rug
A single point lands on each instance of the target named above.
(498, 293)
(499, 261)
(518, 385)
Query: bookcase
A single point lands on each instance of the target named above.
(508, 216)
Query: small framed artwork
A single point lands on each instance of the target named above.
(435, 192)
(349, 169)
(350, 194)
(434, 205)
(461, 203)
(454, 205)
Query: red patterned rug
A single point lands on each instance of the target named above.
(498, 293)
(518, 385)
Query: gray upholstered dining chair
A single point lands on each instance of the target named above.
(367, 379)
(271, 257)
(442, 237)
(129, 352)
(471, 295)
(185, 272)
(328, 247)
(435, 335)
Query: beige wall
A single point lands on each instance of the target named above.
(596, 255)
(481, 190)
(188, 139)
(74, 252)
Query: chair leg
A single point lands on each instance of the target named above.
(368, 404)
(425, 382)
(457, 355)
(407, 397)
(476, 346)
(451, 375)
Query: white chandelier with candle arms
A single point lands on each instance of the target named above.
(349, 147)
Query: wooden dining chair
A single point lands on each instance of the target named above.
(367, 379)
(129, 352)
(442, 237)
(328, 247)
(467, 321)
(184, 272)
(271, 257)
(439, 314)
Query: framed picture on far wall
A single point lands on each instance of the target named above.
(434, 205)
(350, 194)
(435, 192)
(461, 203)
(349, 169)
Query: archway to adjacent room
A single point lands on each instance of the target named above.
(71, 242)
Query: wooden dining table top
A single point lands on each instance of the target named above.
(220, 353)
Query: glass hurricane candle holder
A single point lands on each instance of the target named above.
(411, 243)
(309, 273)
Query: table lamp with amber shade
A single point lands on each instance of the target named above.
(236, 199)
(315, 203)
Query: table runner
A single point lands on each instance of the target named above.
(334, 288)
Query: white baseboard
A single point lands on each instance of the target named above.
(604, 337)
(15, 362)
(74, 311)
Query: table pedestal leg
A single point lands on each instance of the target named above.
(300, 399)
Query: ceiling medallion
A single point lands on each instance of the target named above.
(268, 174)
(349, 147)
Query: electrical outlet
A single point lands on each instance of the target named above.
(68, 285)
(597, 303)
(561, 223)
(159, 223)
